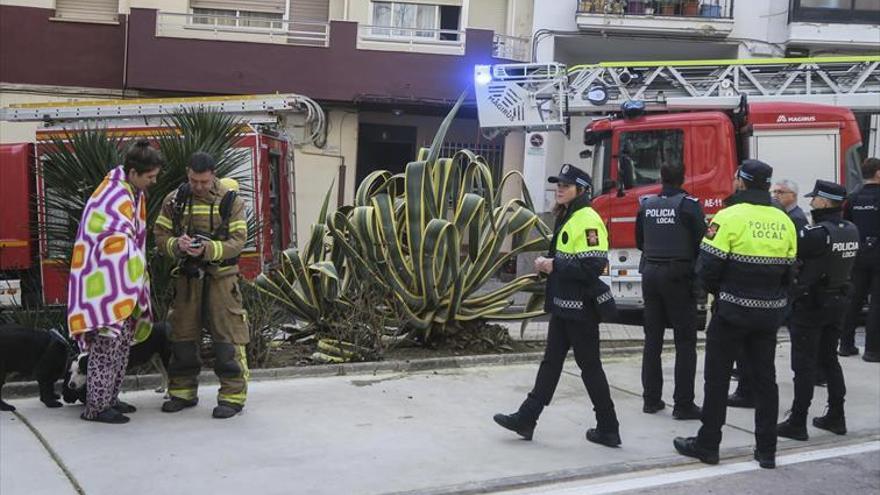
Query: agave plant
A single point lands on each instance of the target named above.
(430, 238)
(77, 161)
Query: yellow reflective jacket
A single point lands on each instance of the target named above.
(747, 258)
(580, 254)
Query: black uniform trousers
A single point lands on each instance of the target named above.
(865, 280)
(668, 289)
(723, 343)
(583, 336)
(814, 334)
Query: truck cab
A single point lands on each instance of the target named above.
(803, 142)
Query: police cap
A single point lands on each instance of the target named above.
(828, 190)
(569, 174)
(755, 171)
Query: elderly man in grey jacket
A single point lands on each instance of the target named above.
(786, 193)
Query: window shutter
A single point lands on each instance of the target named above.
(309, 10)
(87, 10)
(268, 6)
(488, 14)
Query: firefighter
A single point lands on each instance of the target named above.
(746, 261)
(826, 254)
(575, 298)
(202, 225)
(863, 209)
(669, 228)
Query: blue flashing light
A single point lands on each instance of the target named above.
(482, 75)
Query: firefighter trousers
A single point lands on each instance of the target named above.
(214, 304)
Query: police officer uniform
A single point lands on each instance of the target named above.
(826, 254)
(669, 227)
(574, 298)
(863, 209)
(207, 295)
(746, 261)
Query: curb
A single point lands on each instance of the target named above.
(666, 462)
(154, 381)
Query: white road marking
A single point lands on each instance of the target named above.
(598, 487)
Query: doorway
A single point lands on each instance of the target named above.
(384, 147)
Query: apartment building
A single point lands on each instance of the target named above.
(385, 72)
(588, 31)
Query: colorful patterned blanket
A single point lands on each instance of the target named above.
(108, 280)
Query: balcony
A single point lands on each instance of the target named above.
(239, 28)
(696, 18)
(835, 24)
(404, 39)
(512, 48)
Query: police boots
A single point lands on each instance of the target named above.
(794, 427)
(524, 420)
(833, 421)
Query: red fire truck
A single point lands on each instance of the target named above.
(795, 114)
(31, 266)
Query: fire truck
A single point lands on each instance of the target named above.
(31, 265)
(795, 114)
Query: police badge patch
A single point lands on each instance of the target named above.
(712, 230)
(592, 237)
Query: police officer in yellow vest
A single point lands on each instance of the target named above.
(746, 262)
(574, 298)
(203, 226)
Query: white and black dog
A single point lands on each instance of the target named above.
(156, 350)
(40, 354)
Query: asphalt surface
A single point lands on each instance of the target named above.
(425, 432)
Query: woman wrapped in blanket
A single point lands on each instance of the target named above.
(109, 285)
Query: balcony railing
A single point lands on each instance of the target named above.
(512, 48)
(411, 39)
(718, 9)
(241, 28)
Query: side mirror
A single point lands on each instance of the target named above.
(608, 185)
(625, 173)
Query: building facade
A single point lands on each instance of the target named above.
(385, 72)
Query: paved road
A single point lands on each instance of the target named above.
(849, 469)
(426, 433)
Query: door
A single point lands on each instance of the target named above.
(384, 147)
(799, 155)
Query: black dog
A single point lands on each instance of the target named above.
(42, 355)
(156, 349)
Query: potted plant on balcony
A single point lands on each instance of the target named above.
(635, 7)
(710, 8)
(618, 7)
(667, 7)
(585, 6)
(690, 8)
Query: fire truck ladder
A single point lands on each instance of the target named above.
(540, 97)
(255, 109)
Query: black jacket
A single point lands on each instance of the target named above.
(574, 284)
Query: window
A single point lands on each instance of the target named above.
(840, 11)
(239, 18)
(642, 153)
(87, 10)
(415, 20)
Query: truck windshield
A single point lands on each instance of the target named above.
(601, 172)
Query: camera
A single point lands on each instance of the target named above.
(198, 241)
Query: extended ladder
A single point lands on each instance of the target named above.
(255, 109)
(538, 97)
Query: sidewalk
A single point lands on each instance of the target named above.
(422, 432)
